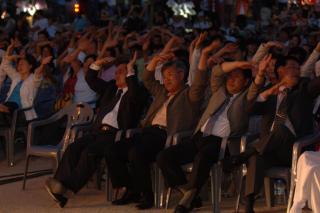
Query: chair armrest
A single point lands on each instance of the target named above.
(131, 132)
(76, 129)
(298, 147)
(176, 138)
(49, 120)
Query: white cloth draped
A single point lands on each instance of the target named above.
(308, 183)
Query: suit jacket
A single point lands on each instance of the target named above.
(184, 108)
(132, 103)
(238, 115)
(300, 105)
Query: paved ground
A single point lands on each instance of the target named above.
(35, 198)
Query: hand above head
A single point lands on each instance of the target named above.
(230, 48)
(159, 59)
(200, 39)
(132, 62)
(277, 44)
(214, 45)
(104, 61)
(264, 63)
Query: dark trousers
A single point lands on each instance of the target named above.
(81, 159)
(202, 151)
(117, 163)
(277, 152)
(139, 152)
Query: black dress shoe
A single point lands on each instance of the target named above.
(144, 205)
(146, 202)
(181, 209)
(59, 198)
(128, 197)
(196, 203)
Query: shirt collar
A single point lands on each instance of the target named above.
(124, 90)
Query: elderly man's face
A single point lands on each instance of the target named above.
(173, 78)
(236, 82)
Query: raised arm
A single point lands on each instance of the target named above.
(198, 87)
(97, 84)
(309, 66)
(219, 72)
(148, 78)
(259, 79)
(195, 52)
(38, 73)
(263, 50)
(132, 80)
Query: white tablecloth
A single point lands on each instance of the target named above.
(308, 183)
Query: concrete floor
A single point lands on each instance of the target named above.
(36, 199)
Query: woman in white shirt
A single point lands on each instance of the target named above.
(24, 83)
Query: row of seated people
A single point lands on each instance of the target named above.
(43, 84)
(285, 104)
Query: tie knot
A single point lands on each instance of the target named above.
(119, 92)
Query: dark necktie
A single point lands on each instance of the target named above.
(105, 110)
(282, 114)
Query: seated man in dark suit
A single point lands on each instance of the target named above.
(122, 103)
(226, 116)
(286, 108)
(176, 108)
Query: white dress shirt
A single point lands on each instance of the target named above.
(221, 127)
(161, 117)
(112, 117)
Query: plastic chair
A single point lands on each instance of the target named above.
(215, 173)
(286, 173)
(81, 129)
(158, 195)
(9, 132)
(77, 114)
(298, 149)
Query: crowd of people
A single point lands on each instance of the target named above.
(145, 67)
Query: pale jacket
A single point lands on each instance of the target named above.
(28, 89)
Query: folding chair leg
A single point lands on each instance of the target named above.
(267, 190)
(108, 187)
(168, 197)
(10, 147)
(25, 172)
(239, 193)
(212, 178)
(217, 183)
(160, 189)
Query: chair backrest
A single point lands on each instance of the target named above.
(79, 113)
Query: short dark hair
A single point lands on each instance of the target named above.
(247, 73)
(282, 61)
(178, 64)
(31, 60)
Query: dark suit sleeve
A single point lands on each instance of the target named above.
(314, 87)
(134, 88)
(153, 86)
(96, 84)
